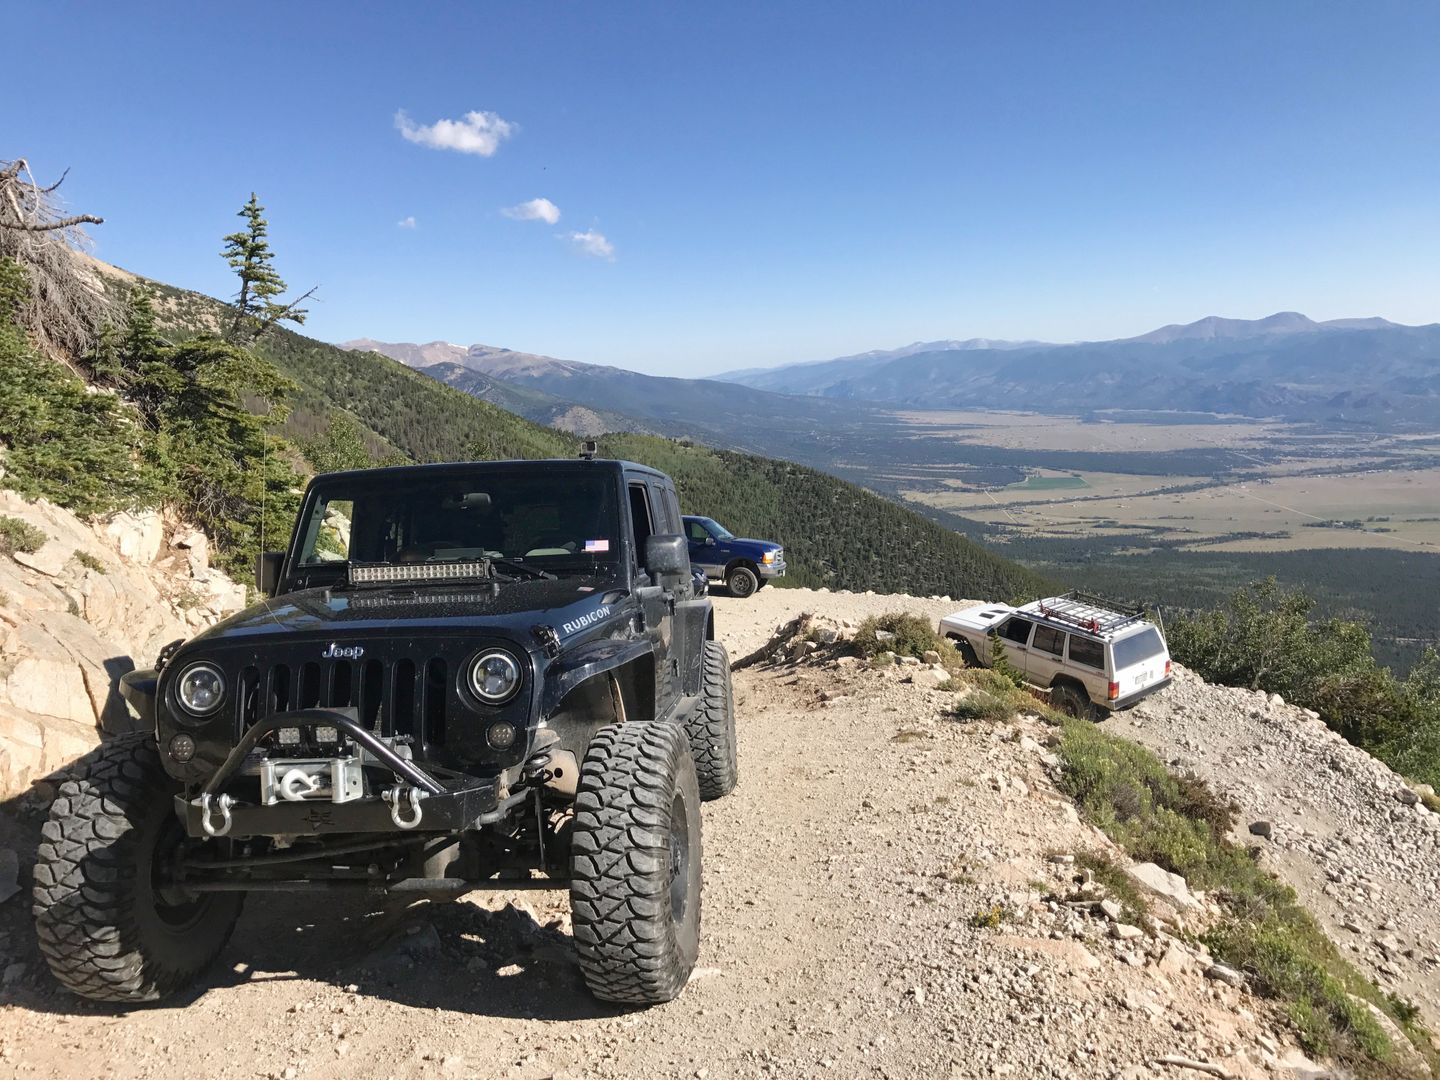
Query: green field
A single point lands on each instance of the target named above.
(1048, 483)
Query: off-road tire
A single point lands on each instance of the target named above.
(635, 864)
(711, 726)
(103, 928)
(1073, 702)
(742, 581)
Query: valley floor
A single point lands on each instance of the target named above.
(874, 905)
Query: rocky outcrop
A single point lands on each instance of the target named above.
(93, 602)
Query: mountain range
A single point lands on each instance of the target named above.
(592, 398)
(1286, 365)
(1361, 370)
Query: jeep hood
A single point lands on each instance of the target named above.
(569, 604)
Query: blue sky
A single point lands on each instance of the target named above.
(776, 182)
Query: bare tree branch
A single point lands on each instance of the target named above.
(66, 303)
(60, 223)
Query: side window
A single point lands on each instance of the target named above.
(1049, 640)
(1016, 630)
(660, 507)
(1087, 652)
(698, 532)
(640, 519)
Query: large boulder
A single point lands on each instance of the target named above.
(94, 601)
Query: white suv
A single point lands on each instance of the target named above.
(1093, 656)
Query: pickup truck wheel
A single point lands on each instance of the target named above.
(742, 581)
(1073, 702)
(635, 863)
(109, 923)
(711, 726)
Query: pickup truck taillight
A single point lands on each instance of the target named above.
(1114, 690)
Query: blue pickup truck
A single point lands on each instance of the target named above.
(744, 565)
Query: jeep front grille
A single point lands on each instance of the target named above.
(397, 697)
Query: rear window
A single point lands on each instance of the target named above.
(1049, 640)
(1138, 648)
(1088, 652)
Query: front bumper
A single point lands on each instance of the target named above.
(772, 570)
(416, 801)
(1139, 695)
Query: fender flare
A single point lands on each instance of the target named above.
(586, 662)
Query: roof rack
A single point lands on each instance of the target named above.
(1088, 612)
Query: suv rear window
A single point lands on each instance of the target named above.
(1138, 648)
(1050, 640)
(1087, 651)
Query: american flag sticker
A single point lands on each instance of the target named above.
(596, 547)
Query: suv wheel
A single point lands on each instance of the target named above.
(742, 581)
(635, 863)
(1073, 701)
(967, 652)
(109, 923)
(711, 727)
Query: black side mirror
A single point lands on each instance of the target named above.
(267, 571)
(667, 557)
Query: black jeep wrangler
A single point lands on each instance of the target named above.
(465, 676)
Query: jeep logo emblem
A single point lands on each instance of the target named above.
(343, 652)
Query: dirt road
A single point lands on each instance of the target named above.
(873, 906)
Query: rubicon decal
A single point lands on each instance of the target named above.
(336, 651)
(575, 625)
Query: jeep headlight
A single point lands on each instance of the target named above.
(495, 676)
(201, 689)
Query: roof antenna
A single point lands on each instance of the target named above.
(588, 449)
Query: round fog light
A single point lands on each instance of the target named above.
(182, 748)
(501, 736)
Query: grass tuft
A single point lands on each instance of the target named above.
(89, 562)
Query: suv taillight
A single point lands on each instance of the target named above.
(1167, 669)
(1114, 690)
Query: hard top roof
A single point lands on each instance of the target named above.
(460, 468)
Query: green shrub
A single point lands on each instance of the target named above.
(17, 535)
(913, 636)
(978, 705)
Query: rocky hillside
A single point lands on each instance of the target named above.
(893, 890)
(80, 605)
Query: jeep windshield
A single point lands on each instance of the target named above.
(523, 522)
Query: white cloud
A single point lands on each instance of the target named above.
(475, 133)
(534, 210)
(407, 222)
(593, 242)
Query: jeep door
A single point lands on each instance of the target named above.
(1014, 636)
(1046, 656)
(647, 518)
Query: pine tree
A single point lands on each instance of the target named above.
(257, 307)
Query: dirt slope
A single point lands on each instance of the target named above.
(843, 881)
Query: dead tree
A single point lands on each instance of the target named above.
(66, 304)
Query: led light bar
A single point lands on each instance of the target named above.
(448, 571)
